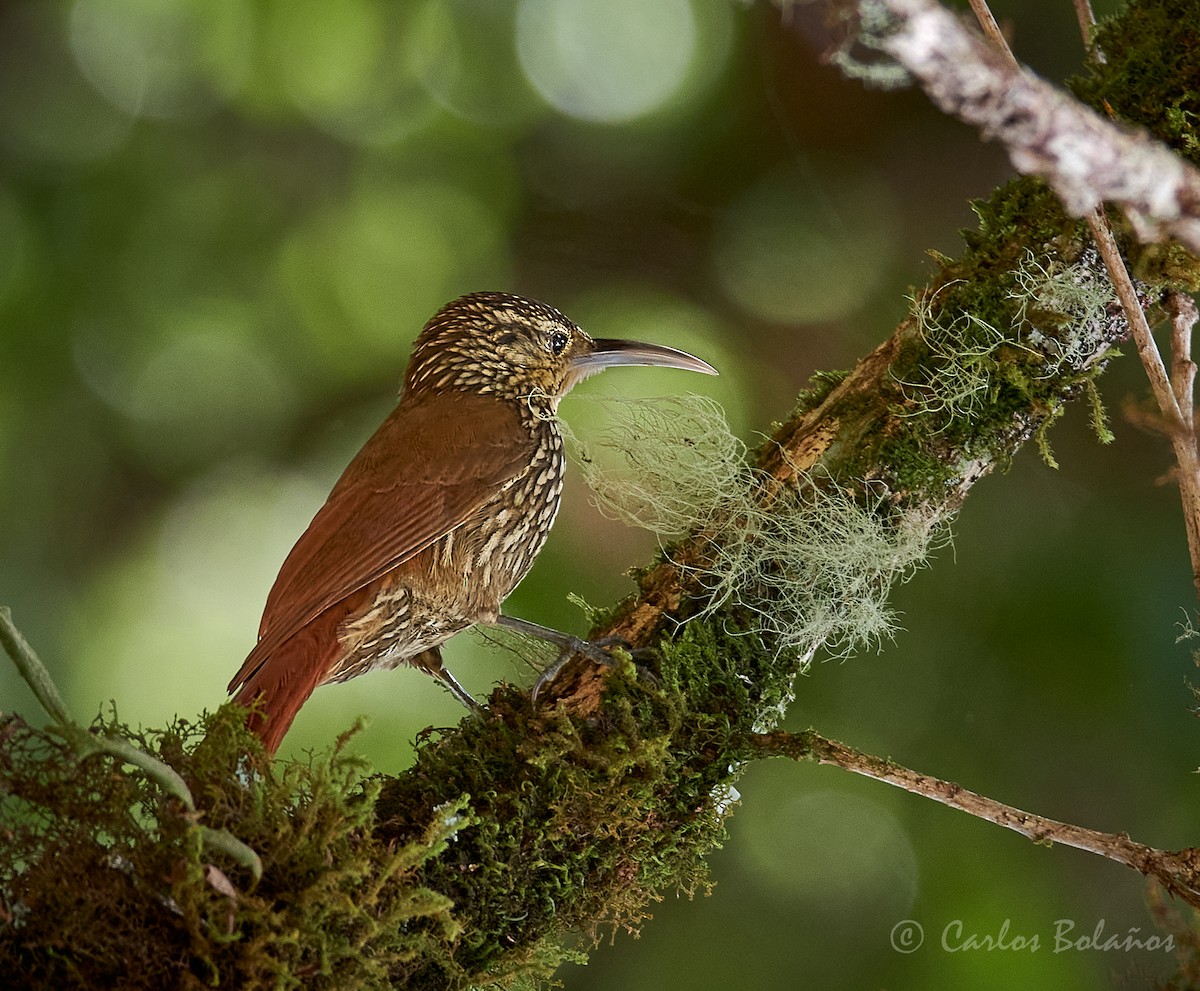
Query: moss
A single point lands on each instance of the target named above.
(1021, 215)
(994, 346)
(1165, 266)
(737, 681)
(513, 832)
(1150, 75)
(570, 817)
(585, 823)
(104, 881)
(1003, 338)
(820, 385)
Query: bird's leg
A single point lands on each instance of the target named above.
(568, 644)
(457, 690)
(430, 661)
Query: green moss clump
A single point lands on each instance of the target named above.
(1022, 215)
(994, 346)
(820, 385)
(1150, 75)
(582, 822)
(579, 823)
(515, 831)
(104, 881)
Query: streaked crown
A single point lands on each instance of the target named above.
(493, 342)
(519, 349)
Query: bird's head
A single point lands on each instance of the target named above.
(517, 348)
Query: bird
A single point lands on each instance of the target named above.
(441, 513)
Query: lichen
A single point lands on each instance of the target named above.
(1050, 293)
(515, 831)
(1019, 324)
(812, 567)
(1052, 322)
(961, 377)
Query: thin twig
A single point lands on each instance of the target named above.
(1172, 393)
(1087, 21)
(983, 14)
(1183, 313)
(31, 669)
(1182, 309)
(1178, 871)
(1156, 371)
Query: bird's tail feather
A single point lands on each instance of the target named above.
(275, 686)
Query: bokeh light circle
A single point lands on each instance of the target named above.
(162, 58)
(50, 114)
(606, 62)
(844, 851)
(349, 66)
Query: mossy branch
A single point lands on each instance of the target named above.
(884, 435)
(514, 832)
(1087, 159)
(1173, 392)
(86, 743)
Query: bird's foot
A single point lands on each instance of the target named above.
(597, 651)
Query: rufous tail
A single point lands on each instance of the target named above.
(275, 686)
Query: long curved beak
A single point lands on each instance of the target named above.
(609, 353)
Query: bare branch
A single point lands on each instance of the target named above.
(1184, 315)
(1087, 21)
(983, 14)
(1173, 394)
(1182, 309)
(1147, 349)
(1176, 870)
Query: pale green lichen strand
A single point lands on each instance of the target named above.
(1078, 294)
(813, 567)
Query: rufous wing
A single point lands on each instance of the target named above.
(432, 464)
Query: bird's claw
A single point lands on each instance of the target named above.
(597, 651)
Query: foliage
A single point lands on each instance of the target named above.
(513, 832)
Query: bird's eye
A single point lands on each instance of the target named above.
(558, 342)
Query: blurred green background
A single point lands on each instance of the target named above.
(222, 222)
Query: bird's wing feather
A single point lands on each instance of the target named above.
(430, 466)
